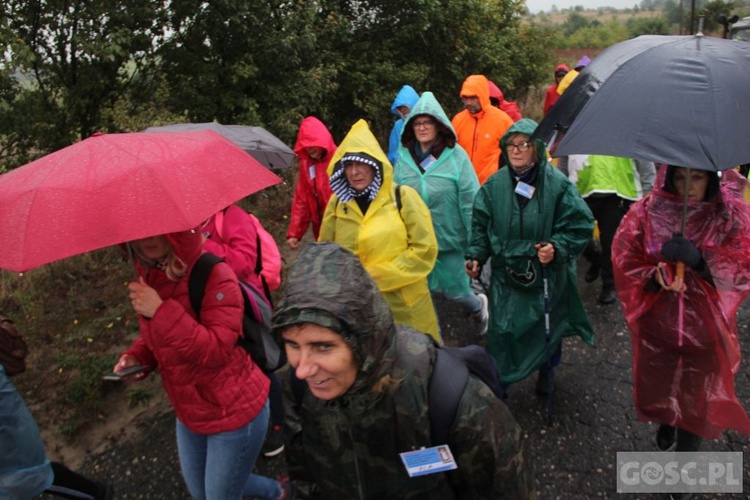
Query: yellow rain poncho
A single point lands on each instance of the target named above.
(397, 247)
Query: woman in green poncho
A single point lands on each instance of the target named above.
(433, 164)
(516, 210)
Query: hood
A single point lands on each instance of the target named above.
(360, 139)
(428, 105)
(328, 286)
(665, 182)
(495, 91)
(582, 63)
(313, 133)
(407, 96)
(561, 67)
(479, 86)
(524, 126)
(187, 245)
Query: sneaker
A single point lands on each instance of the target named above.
(666, 438)
(608, 296)
(482, 317)
(592, 273)
(274, 443)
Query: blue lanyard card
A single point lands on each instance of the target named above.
(428, 460)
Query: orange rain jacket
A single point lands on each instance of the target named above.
(480, 134)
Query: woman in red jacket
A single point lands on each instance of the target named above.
(219, 395)
(314, 148)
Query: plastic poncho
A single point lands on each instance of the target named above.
(448, 187)
(501, 229)
(407, 96)
(312, 192)
(479, 134)
(397, 247)
(689, 337)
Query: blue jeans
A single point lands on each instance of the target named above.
(219, 466)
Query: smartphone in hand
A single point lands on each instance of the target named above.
(121, 374)
(665, 271)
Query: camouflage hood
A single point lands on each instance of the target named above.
(329, 287)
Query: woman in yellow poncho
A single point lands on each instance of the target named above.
(387, 226)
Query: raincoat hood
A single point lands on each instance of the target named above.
(313, 133)
(561, 67)
(328, 286)
(407, 96)
(187, 245)
(428, 105)
(360, 139)
(582, 63)
(523, 126)
(495, 91)
(477, 85)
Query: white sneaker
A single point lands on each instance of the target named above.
(482, 316)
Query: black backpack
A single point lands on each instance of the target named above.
(256, 338)
(448, 380)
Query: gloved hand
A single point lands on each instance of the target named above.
(682, 249)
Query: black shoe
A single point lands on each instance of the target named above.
(608, 296)
(274, 443)
(592, 273)
(666, 438)
(542, 382)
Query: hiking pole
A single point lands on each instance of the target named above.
(547, 336)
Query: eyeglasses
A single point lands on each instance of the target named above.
(521, 146)
(424, 124)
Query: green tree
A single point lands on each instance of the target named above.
(647, 26)
(575, 22)
(75, 59)
(711, 12)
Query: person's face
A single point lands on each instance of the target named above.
(697, 183)
(559, 77)
(154, 248)
(425, 129)
(519, 150)
(403, 110)
(315, 152)
(322, 358)
(359, 175)
(471, 103)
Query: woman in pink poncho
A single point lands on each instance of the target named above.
(684, 331)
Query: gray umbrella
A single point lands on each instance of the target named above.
(680, 100)
(255, 141)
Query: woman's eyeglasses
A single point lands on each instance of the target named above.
(423, 124)
(521, 146)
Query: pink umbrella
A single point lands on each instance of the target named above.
(113, 188)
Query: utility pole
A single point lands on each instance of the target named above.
(692, 17)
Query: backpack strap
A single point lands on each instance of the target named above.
(447, 383)
(198, 279)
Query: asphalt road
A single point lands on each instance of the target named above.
(593, 419)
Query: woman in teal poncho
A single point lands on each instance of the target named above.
(431, 162)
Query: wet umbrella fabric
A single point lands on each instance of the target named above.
(112, 188)
(679, 100)
(258, 142)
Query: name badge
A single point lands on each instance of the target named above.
(311, 170)
(427, 162)
(428, 460)
(525, 190)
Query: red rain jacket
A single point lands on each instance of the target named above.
(688, 337)
(510, 107)
(551, 97)
(212, 383)
(312, 191)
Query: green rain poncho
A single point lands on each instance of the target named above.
(501, 229)
(448, 187)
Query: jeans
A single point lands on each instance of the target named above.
(469, 303)
(219, 466)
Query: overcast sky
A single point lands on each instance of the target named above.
(546, 5)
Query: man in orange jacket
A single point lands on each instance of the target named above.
(480, 126)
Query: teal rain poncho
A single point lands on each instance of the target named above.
(501, 229)
(448, 187)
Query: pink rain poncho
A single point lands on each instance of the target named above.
(685, 346)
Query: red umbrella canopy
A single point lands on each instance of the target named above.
(113, 188)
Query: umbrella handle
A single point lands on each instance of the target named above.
(680, 270)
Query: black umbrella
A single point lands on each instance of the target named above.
(258, 142)
(680, 100)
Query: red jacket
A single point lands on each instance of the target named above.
(509, 107)
(550, 98)
(212, 383)
(312, 191)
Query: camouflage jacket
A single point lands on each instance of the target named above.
(349, 447)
